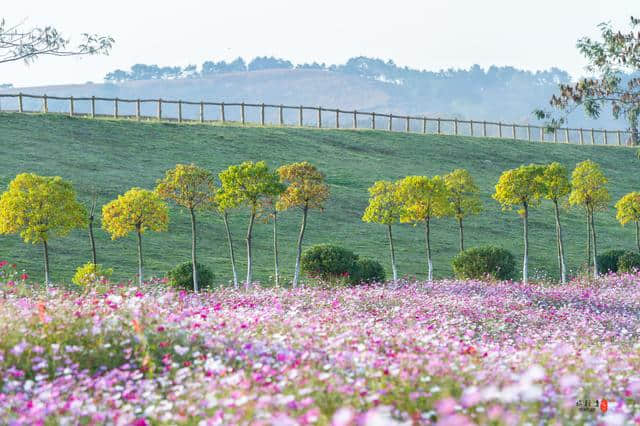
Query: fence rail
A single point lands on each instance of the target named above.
(289, 115)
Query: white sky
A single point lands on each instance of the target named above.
(421, 34)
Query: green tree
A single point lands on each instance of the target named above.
(423, 199)
(39, 208)
(137, 210)
(555, 186)
(463, 196)
(611, 59)
(249, 184)
(384, 208)
(628, 210)
(191, 187)
(521, 187)
(306, 189)
(589, 190)
(222, 203)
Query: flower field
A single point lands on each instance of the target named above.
(447, 352)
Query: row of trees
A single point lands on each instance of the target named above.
(420, 199)
(41, 207)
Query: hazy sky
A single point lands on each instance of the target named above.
(421, 34)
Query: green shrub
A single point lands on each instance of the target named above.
(91, 274)
(629, 262)
(367, 271)
(478, 262)
(182, 276)
(608, 261)
(328, 261)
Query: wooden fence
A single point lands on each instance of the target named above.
(287, 115)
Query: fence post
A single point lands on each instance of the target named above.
(500, 129)
(319, 117)
(529, 132)
(281, 116)
(439, 126)
(581, 136)
(115, 107)
(159, 109)
(300, 121)
(179, 111)
(455, 126)
(71, 106)
(593, 137)
(390, 122)
(424, 125)
(541, 134)
(262, 114)
(566, 136)
(484, 129)
(605, 138)
(222, 111)
(45, 104)
(513, 131)
(20, 102)
(373, 120)
(619, 139)
(337, 118)
(471, 127)
(355, 119)
(242, 118)
(138, 109)
(93, 107)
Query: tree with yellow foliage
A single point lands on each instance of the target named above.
(384, 208)
(39, 208)
(555, 186)
(423, 199)
(521, 187)
(306, 190)
(137, 210)
(628, 210)
(589, 190)
(463, 197)
(191, 187)
(249, 184)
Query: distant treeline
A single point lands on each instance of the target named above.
(373, 68)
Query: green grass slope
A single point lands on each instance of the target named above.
(116, 155)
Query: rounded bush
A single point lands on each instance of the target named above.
(478, 262)
(629, 262)
(608, 260)
(328, 261)
(90, 274)
(367, 271)
(182, 276)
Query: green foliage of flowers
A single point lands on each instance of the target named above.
(90, 274)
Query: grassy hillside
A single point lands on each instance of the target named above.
(116, 155)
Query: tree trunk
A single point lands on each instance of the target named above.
(296, 274)
(139, 254)
(275, 246)
(595, 251)
(194, 267)
(563, 264)
(46, 263)
(249, 259)
(427, 232)
(633, 126)
(638, 236)
(461, 234)
(588, 245)
(525, 262)
(393, 254)
(92, 241)
(231, 254)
